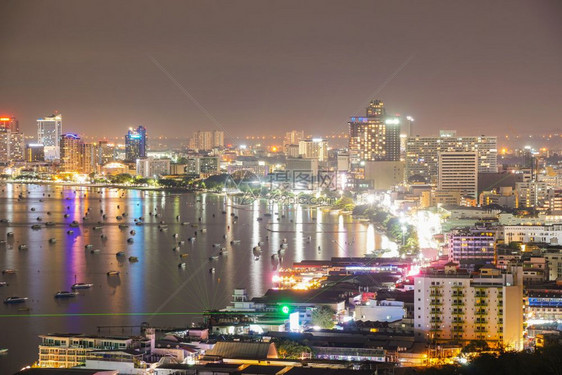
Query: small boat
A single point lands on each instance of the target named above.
(10, 234)
(204, 230)
(133, 259)
(132, 233)
(130, 240)
(113, 273)
(4, 351)
(97, 227)
(182, 265)
(175, 235)
(185, 223)
(95, 251)
(74, 224)
(123, 226)
(177, 248)
(89, 246)
(234, 242)
(69, 232)
(212, 270)
(120, 254)
(65, 294)
(183, 255)
(192, 239)
(223, 252)
(3, 283)
(66, 215)
(214, 257)
(15, 299)
(52, 240)
(81, 286)
(22, 247)
(8, 271)
(49, 224)
(119, 217)
(36, 226)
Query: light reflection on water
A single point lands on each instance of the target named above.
(155, 282)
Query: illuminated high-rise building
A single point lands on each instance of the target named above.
(89, 156)
(458, 171)
(422, 153)
(9, 122)
(71, 153)
(135, 144)
(292, 138)
(376, 136)
(11, 140)
(49, 132)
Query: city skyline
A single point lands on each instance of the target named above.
(238, 69)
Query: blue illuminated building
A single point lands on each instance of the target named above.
(135, 144)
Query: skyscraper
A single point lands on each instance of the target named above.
(376, 136)
(316, 148)
(49, 132)
(9, 122)
(11, 140)
(135, 144)
(71, 152)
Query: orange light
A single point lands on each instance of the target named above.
(5, 119)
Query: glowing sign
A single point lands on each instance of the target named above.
(5, 119)
(285, 309)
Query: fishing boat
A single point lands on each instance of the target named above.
(36, 226)
(81, 286)
(234, 242)
(65, 294)
(214, 257)
(120, 254)
(3, 283)
(74, 224)
(95, 251)
(52, 240)
(223, 252)
(185, 223)
(123, 226)
(8, 271)
(22, 247)
(183, 255)
(182, 265)
(113, 273)
(212, 270)
(4, 351)
(88, 246)
(133, 259)
(97, 227)
(130, 240)
(15, 299)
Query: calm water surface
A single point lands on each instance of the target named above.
(154, 283)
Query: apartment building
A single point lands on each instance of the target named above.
(452, 305)
(550, 234)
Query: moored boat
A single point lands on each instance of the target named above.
(81, 286)
(15, 299)
(65, 294)
(112, 273)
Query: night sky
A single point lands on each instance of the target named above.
(261, 67)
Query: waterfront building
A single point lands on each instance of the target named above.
(106, 152)
(452, 305)
(11, 145)
(34, 152)
(422, 153)
(458, 171)
(151, 168)
(49, 132)
(204, 166)
(135, 144)
(71, 156)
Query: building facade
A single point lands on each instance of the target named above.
(135, 144)
(49, 132)
(422, 153)
(458, 171)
